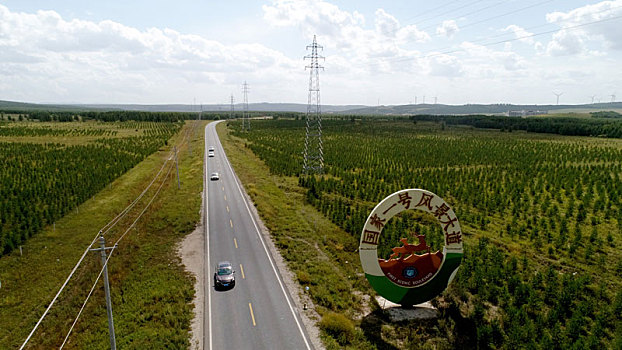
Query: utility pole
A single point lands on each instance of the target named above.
(246, 120)
(313, 152)
(232, 108)
(102, 249)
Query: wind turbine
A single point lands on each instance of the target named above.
(556, 94)
(593, 98)
(613, 98)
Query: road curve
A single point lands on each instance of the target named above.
(258, 313)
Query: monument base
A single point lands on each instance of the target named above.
(397, 313)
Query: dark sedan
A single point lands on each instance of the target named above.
(224, 276)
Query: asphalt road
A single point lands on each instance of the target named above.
(258, 312)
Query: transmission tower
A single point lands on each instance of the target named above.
(246, 120)
(232, 109)
(313, 153)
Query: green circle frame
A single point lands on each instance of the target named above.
(411, 199)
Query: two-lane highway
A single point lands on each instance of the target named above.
(258, 312)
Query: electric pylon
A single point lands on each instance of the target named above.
(313, 153)
(246, 120)
(232, 110)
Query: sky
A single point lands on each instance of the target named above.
(374, 52)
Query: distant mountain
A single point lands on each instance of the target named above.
(260, 107)
(328, 109)
(21, 106)
(478, 109)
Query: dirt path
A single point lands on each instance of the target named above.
(191, 252)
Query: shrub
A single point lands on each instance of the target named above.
(304, 277)
(338, 326)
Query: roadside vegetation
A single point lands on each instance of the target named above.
(151, 291)
(541, 214)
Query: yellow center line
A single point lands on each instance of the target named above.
(223, 188)
(225, 197)
(252, 315)
(242, 270)
(230, 222)
(227, 208)
(236, 243)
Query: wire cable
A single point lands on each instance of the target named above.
(109, 226)
(114, 221)
(110, 255)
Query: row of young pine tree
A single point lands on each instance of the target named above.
(41, 182)
(557, 198)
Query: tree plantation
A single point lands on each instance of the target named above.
(541, 216)
(48, 169)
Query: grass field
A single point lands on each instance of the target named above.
(151, 292)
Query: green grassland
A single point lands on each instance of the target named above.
(151, 292)
(541, 215)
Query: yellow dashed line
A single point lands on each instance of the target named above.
(252, 315)
(235, 242)
(242, 271)
(230, 222)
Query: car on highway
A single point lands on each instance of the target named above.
(214, 176)
(210, 153)
(224, 276)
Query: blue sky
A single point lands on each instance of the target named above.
(393, 52)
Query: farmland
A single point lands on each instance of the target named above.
(541, 215)
(48, 169)
(88, 172)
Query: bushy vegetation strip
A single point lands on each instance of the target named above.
(603, 124)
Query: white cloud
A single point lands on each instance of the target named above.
(52, 57)
(520, 33)
(566, 43)
(445, 66)
(380, 48)
(448, 29)
(590, 24)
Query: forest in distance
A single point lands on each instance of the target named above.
(538, 199)
(541, 215)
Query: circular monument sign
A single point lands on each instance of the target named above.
(412, 274)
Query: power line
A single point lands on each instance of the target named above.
(112, 251)
(502, 41)
(107, 228)
(472, 12)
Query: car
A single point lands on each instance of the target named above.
(214, 176)
(210, 153)
(224, 276)
(211, 149)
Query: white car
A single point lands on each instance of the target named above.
(210, 153)
(214, 176)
